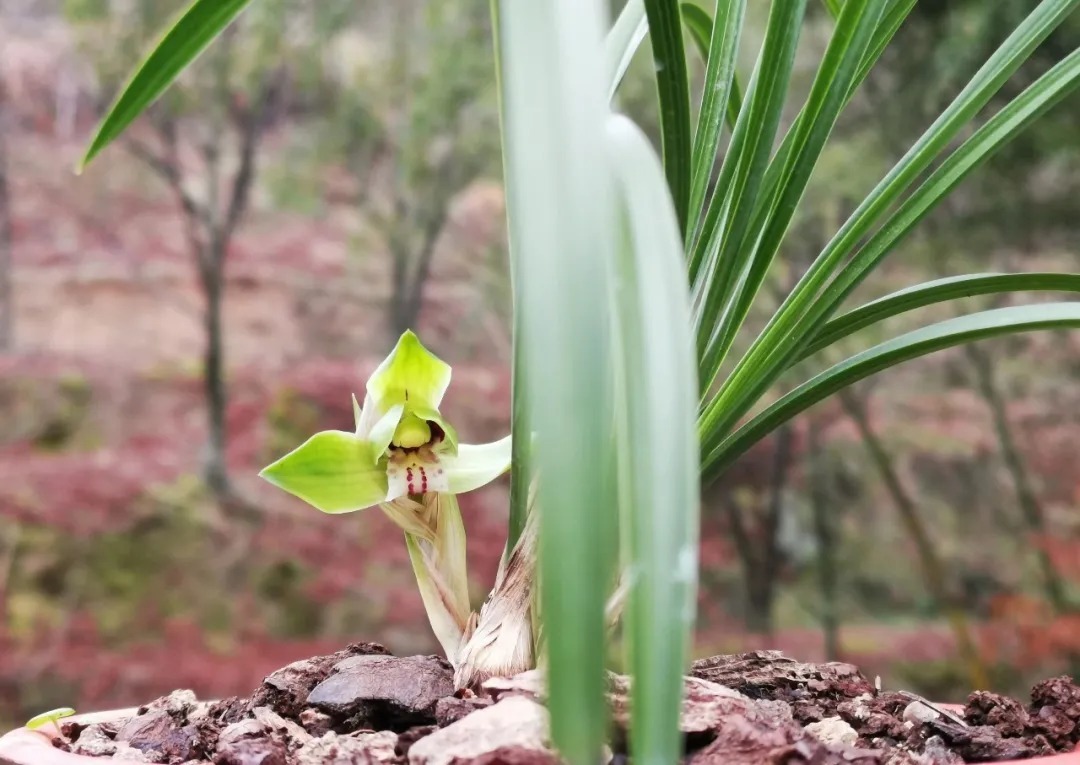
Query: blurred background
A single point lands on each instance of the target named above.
(214, 287)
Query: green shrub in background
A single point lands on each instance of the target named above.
(634, 278)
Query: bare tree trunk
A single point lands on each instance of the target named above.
(7, 293)
(10, 534)
(825, 531)
(216, 466)
(412, 269)
(932, 567)
(759, 552)
(1030, 507)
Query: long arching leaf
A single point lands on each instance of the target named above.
(772, 349)
(721, 52)
(1036, 100)
(673, 87)
(564, 212)
(622, 42)
(713, 270)
(181, 44)
(832, 85)
(937, 291)
(653, 306)
(964, 329)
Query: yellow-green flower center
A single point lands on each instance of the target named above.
(412, 432)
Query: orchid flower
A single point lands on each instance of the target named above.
(403, 457)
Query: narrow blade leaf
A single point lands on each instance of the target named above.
(964, 329)
(828, 95)
(722, 50)
(189, 36)
(714, 265)
(563, 209)
(772, 350)
(937, 291)
(622, 42)
(661, 406)
(1046, 92)
(673, 87)
(700, 26)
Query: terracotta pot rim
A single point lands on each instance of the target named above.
(34, 747)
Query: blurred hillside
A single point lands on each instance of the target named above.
(330, 177)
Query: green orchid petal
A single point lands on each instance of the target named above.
(476, 465)
(383, 431)
(410, 375)
(358, 415)
(334, 471)
(450, 441)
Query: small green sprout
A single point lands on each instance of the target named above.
(37, 722)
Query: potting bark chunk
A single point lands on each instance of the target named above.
(705, 706)
(354, 749)
(1005, 714)
(387, 691)
(833, 732)
(406, 739)
(227, 711)
(178, 704)
(286, 690)
(315, 722)
(251, 742)
(1054, 724)
(530, 683)
(515, 730)
(93, 741)
(160, 736)
(982, 743)
(771, 675)
(1055, 703)
(253, 751)
(451, 709)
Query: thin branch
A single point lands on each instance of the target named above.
(1030, 507)
(781, 465)
(250, 123)
(168, 169)
(7, 293)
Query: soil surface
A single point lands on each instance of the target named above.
(362, 706)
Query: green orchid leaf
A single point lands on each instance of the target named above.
(189, 36)
(722, 97)
(622, 42)
(658, 488)
(477, 465)
(937, 291)
(410, 375)
(673, 87)
(334, 471)
(944, 334)
(43, 719)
